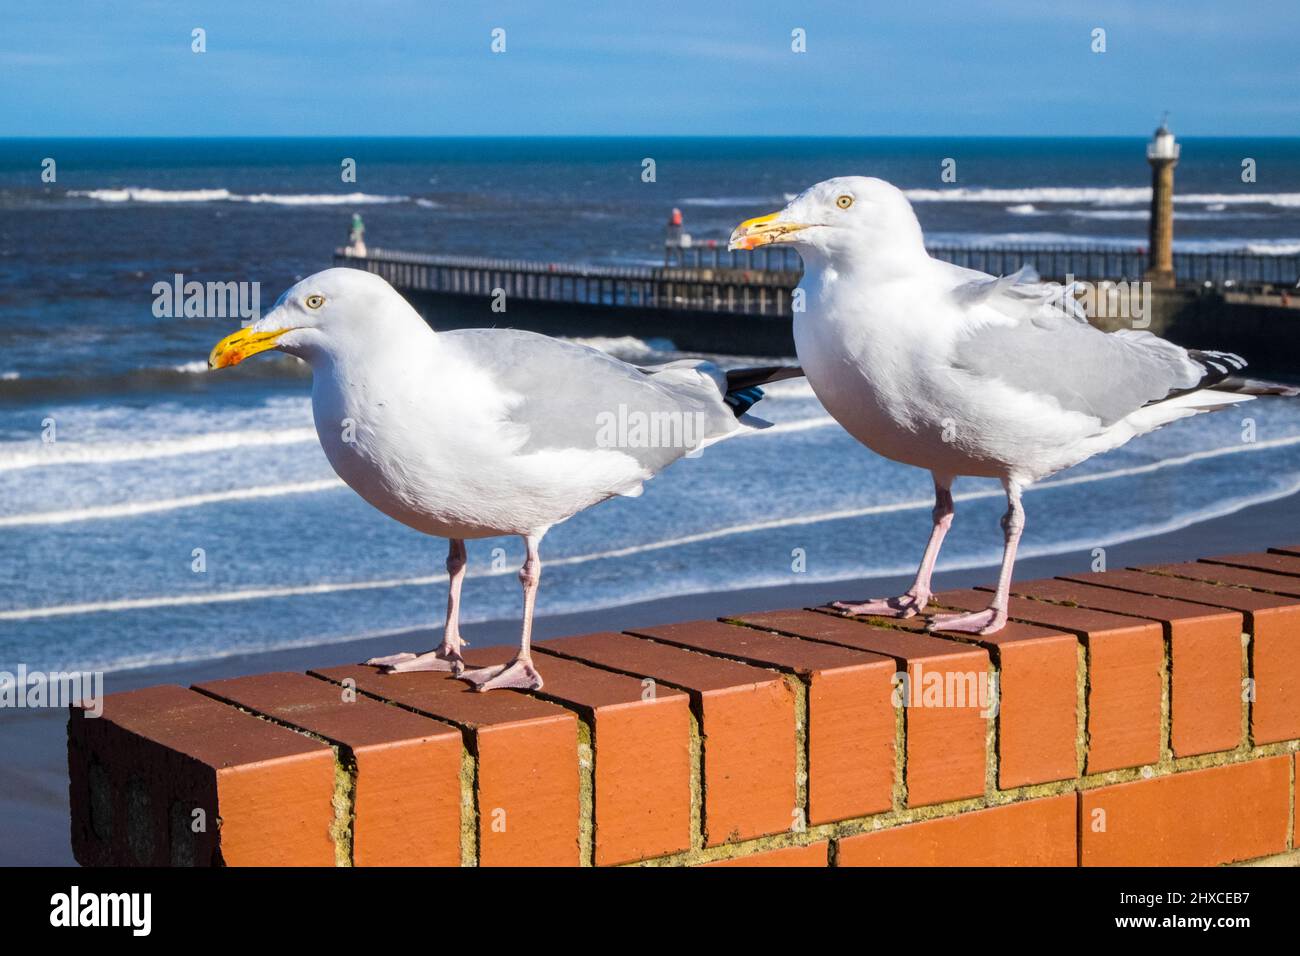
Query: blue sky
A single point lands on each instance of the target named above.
(402, 67)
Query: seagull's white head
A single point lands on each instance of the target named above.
(845, 217)
(325, 314)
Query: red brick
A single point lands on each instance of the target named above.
(946, 745)
(1196, 818)
(746, 725)
(1031, 833)
(141, 769)
(850, 732)
(815, 854)
(1231, 576)
(406, 802)
(1273, 623)
(1125, 659)
(1205, 654)
(641, 756)
(1269, 561)
(1038, 700)
(527, 752)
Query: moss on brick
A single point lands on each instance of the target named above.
(586, 793)
(344, 803)
(468, 808)
(801, 738)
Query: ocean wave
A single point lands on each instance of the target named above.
(1275, 247)
(1211, 213)
(1289, 200)
(185, 375)
(647, 591)
(1096, 195)
(146, 195)
(978, 240)
(201, 444)
(31, 455)
(320, 199)
(141, 194)
(1026, 209)
(1113, 195)
(134, 509)
(1258, 247)
(728, 201)
(1109, 214)
(801, 520)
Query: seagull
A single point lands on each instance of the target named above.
(964, 373)
(476, 433)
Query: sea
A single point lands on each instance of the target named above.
(152, 512)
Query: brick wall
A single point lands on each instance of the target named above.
(1137, 717)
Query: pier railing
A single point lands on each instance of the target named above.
(713, 279)
(716, 255)
(1238, 266)
(1104, 262)
(752, 292)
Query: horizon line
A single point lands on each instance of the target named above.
(675, 136)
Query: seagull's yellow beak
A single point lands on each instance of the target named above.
(237, 346)
(763, 231)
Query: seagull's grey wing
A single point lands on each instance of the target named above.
(1018, 296)
(572, 396)
(1107, 375)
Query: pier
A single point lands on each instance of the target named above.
(712, 279)
(707, 298)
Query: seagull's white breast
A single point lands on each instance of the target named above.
(868, 361)
(879, 359)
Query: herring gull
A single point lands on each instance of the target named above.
(482, 432)
(962, 373)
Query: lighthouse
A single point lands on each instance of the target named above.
(1162, 154)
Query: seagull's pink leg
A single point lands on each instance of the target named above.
(446, 657)
(915, 599)
(994, 617)
(519, 673)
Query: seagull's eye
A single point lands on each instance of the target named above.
(844, 202)
(315, 301)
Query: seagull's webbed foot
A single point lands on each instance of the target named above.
(905, 605)
(519, 673)
(988, 621)
(444, 658)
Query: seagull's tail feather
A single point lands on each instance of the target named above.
(1255, 386)
(743, 391)
(1221, 370)
(738, 378)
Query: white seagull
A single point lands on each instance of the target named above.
(961, 373)
(484, 432)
